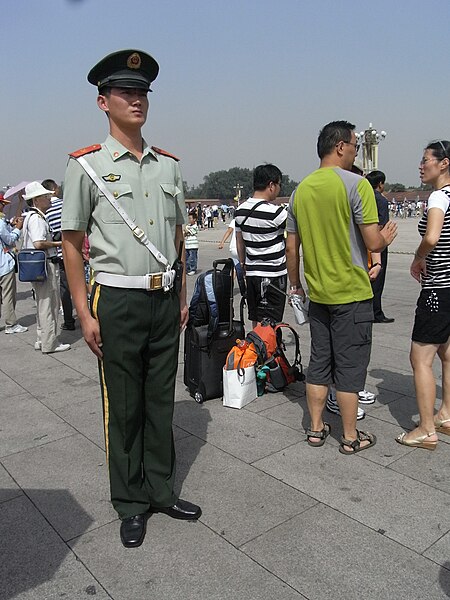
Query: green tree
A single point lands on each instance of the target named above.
(394, 187)
(223, 185)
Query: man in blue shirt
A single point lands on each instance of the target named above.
(9, 234)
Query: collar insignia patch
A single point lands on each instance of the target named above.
(111, 177)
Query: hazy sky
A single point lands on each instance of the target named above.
(241, 82)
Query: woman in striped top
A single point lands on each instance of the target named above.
(431, 267)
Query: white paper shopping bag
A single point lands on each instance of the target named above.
(239, 387)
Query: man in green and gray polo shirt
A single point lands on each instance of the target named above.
(134, 326)
(334, 216)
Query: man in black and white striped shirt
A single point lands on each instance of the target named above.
(260, 226)
(53, 217)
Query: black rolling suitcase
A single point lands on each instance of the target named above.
(211, 332)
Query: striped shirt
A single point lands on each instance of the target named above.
(438, 260)
(263, 235)
(53, 218)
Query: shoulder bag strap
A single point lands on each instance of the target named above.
(137, 231)
(251, 211)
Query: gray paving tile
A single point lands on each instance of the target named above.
(266, 401)
(80, 359)
(26, 423)
(240, 433)
(86, 417)
(324, 554)
(402, 412)
(389, 377)
(367, 492)
(74, 465)
(8, 488)
(179, 433)
(34, 562)
(293, 413)
(178, 561)
(39, 381)
(238, 501)
(9, 387)
(77, 388)
(428, 467)
(439, 552)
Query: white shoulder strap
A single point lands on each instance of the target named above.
(137, 231)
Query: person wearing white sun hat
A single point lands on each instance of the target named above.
(36, 234)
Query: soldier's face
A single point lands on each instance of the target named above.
(126, 106)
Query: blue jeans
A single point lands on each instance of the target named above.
(191, 259)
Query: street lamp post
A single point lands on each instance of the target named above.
(238, 189)
(370, 138)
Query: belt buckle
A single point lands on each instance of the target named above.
(156, 281)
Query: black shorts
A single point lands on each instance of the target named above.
(341, 341)
(432, 321)
(263, 301)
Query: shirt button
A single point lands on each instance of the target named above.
(150, 221)
(116, 195)
(146, 194)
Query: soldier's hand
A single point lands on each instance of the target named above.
(92, 337)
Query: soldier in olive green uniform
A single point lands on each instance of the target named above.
(136, 313)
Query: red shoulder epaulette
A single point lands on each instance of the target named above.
(87, 150)
(165, 153)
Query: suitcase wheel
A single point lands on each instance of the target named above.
(198, 397)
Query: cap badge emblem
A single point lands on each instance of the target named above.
(134, 61)
(111, 177)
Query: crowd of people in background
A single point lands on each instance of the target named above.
(344, 255)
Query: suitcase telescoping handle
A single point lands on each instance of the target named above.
(228, 262)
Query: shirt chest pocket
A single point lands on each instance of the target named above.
(170, 192)
(122, 194)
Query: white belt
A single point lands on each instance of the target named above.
(150, 282)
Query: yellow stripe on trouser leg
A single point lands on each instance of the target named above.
(102, 378)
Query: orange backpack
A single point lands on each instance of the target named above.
(264, 347)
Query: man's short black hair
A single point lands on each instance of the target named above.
(264, 174)
(50, 184)
(375, 178)
(332, 134)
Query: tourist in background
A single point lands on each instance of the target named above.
(431, 268)
(9, 234)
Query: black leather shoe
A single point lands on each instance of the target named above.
(132, 531)
(182, 509)
(68, 326)
(384, 320)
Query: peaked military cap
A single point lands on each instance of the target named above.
(125, 69)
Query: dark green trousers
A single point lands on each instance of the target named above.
(140, 333)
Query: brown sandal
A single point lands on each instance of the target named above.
(362, 436)
(322, 435)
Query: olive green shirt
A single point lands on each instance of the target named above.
(150, 192)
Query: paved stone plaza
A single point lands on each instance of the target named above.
(281, 520)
